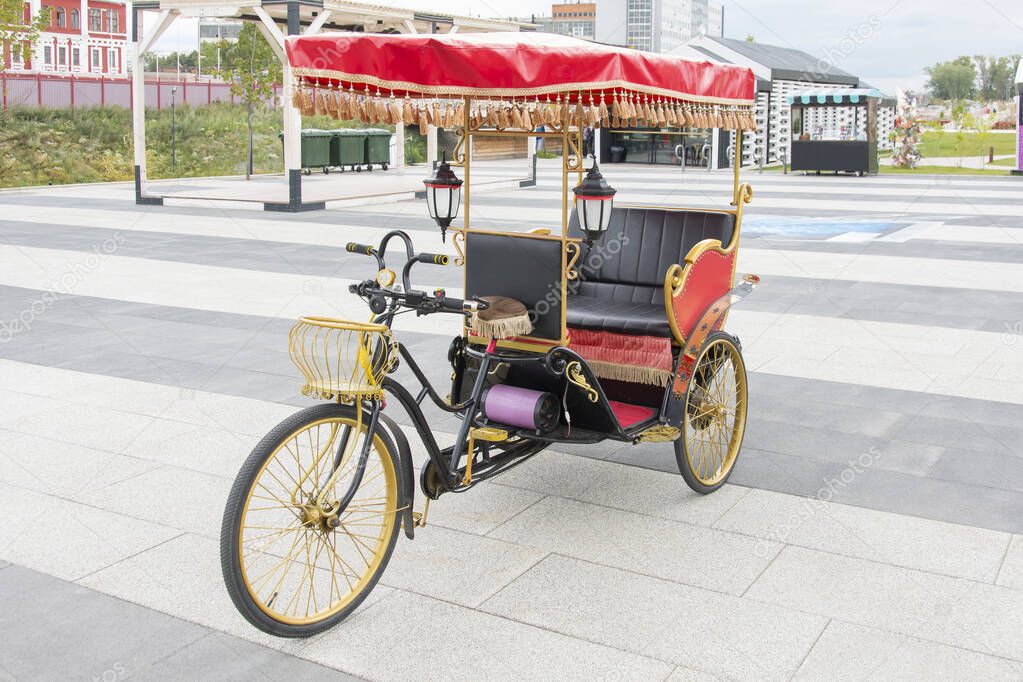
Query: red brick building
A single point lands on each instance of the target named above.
(85, 37)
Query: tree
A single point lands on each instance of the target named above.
(995, 76)
(16, 36)
(252, 69)
(953, 80)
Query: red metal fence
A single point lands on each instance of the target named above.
(44, 91)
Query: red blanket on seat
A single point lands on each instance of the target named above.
(624, 357)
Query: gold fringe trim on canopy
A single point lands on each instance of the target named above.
(619, 110)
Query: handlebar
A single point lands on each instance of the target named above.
(408, 297)
(364, 249)
(435, 258)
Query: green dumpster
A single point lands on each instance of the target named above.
(378, 147)
(348, 148)
(315, 149)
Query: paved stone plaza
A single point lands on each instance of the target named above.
(873, 527)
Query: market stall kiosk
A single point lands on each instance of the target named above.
(835, 130)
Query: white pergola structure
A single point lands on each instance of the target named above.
(277, 19)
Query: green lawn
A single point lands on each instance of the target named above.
(941, 144)
(1010, 163)
(920, 170)
(39, 147)
(941, 170)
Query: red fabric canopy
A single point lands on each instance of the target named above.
(509, 64)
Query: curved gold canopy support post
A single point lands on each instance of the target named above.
(736, 166)
(467, 156)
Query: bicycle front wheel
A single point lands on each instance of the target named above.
(294, 562)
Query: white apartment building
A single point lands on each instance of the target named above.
(654, 25)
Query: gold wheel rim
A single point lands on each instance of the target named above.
(296, 568)
(715, 413)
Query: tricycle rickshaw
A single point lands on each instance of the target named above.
(609, 328)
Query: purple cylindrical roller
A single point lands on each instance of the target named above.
(522, 407)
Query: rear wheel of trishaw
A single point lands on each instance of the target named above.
(715, 417)
(292, 570)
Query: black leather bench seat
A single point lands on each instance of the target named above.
(622, 317)
(622, 291)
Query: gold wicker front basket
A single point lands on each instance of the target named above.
(340, 358)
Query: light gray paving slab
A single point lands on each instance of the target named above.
(1011, 573)
(481, 509)
(491, 647)
(67, 539)
(684, 553)
(64, 469)
(16, 405)
(934, 546)
(852, 652)
(85, 425)
(682, 674)
(180, 498)
(975, 616)
(205, 449)
(627, 488)
(457, 567)
(183, 578)
(737, 638)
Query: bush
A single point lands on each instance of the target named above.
(39, 147)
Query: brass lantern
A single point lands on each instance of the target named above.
(443, 196)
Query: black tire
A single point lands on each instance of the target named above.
(231, 557)
(718, 345)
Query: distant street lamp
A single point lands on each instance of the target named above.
(174, 154)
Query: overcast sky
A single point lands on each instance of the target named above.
(896, 38)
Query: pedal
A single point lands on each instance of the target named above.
(419, 518)
(488, 433)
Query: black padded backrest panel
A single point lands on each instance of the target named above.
(526, 269)
(642, 243)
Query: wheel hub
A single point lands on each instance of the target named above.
(314, 518)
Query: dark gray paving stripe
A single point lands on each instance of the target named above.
(104, 638)
(933, 449)
(290, 257)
